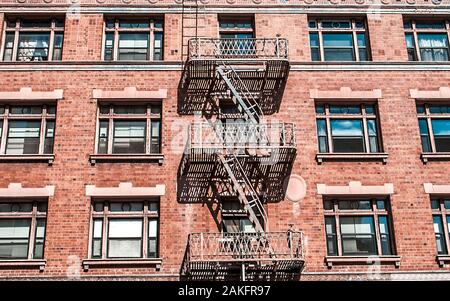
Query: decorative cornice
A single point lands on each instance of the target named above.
(125, 190)
(443, 93)
(365, 3)
(345, 93)
(26, 93)
(355, 188)
(15, 190)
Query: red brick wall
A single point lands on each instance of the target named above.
(293, 27)
(83, 36)
(387, 37)
(68, 212)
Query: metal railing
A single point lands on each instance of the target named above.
(241, 247)
(241, 135)
(229, 48)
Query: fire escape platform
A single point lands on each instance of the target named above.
(273, 255)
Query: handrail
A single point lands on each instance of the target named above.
(238, 48)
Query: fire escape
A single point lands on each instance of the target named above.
(241, 154)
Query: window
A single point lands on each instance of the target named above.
(27, 129)
(28, 40)
(22, 229)
(434, 126)
(235, 218)
(358, 227)
(129, 129)
(441, 221)
(238, 34)
(427, 40)
(125, 229)
(133, 40)
(348, 128)
(338, 40)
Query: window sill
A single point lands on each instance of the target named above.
(88, 263)
(330, 260)
(28, 158)
(320, 157)
(94, 158)
(24, 263)
(435, 157)
(442, 260)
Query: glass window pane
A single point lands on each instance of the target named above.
(439, 234)
(103, 137)
(25, 110)
(155, 137)
(33, 47)
(447, 204)
(385, 235)
(134, 24)
(338, 54)
(133, 46)
(158, 46)
(124, 109)
(358, 236)
(39, 239)
(338, 46)
(8, 49)
(125, 238)
(347, 135)
(425, 24)
(14, 238)
(120, 228)
(23, 137)
(346, 109)
(381, 205)
(424, 135)
(97, 235)
(330, 228)
(441, 131)
(373, 136)
(49, 137)
(109, 46)
(129, 137)
(433, 46)
(322, 135)
(126, 207)
(361, 38)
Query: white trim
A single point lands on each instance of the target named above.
(355, 188)
(125, 189)
(15, 190)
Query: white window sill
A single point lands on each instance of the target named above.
(88, 263)
(24, 263)
(320, 157)
(28, 158)
(94, 158)
(368, 260)
(444, 156)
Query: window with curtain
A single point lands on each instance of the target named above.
(22, 229)
(129, 129)
(125, 229)
(434, 127)
(30, 40)
(338, 40)
(427, 40)
(358, 227)
(347, 128)
(27, 129)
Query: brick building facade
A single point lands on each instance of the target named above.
(92, 126)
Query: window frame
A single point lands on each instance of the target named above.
(52, 30)
(354, 31)
(363, 116)
(429, 117)
(111, 116)
(234, 214)
(236, 30)
(443, 213)
(116, 31)
(33, 216)
(44, 118)
(415, 31)
(374, 212)
(107, 215)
